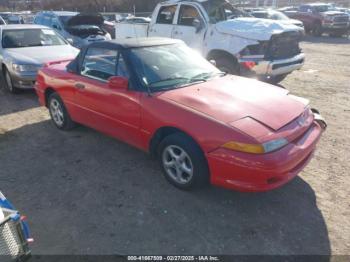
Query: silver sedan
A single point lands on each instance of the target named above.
(25, 49)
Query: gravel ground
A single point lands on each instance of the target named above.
(86, 193)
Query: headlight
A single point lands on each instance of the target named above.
(25, 68)
(256, 148)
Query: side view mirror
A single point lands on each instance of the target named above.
(118, 82)
(56, 27)
(198, 24)
(70, 40)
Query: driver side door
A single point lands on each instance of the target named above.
(115, 112)
(190, 27)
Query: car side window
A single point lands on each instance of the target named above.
(188, 14)
(166, 14)
(37, 19)
(100, 64)
(304, 8)
(46, 20)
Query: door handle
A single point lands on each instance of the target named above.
(79, 86)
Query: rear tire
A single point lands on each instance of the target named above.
(59, 114)
(183, 162)
(8, 82)
(317, 30)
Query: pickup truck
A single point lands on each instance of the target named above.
(321, 18)
(241, 45)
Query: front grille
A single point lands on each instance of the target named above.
(340, 24)
(282, 46)
(12, 242)
(341, 19)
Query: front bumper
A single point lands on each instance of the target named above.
(25, 80)
(335, 26)
(257, 173)
(264, 68)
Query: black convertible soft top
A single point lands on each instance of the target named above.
(119, 44)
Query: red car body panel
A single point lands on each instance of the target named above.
(213, 113)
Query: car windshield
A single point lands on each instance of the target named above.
(275, 15)
(171, 66)
(220, 10)
(16, 38)
(322, 8)
(64, 19)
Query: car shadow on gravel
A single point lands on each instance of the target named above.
(86, 193)
(12, 103)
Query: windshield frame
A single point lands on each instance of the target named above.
(322, 8)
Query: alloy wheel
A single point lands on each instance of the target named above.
(177, 164)
(57, 112)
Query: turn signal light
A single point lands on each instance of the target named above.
(247, 148)
(256, 148)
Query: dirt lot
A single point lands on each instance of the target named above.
(86, 193)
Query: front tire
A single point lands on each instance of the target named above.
(317, 30)
(227, 65)
(59, 114)
(183, 163)
(9, 83)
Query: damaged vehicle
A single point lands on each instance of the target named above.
(79, 29)
(203, 125)
(239, 44)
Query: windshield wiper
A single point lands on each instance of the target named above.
(167, 80)
(205, 76)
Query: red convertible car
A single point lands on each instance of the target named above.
(202, 125)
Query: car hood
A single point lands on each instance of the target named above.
(232, 98)
(86, 19)
(41, 54)
(254, 28)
